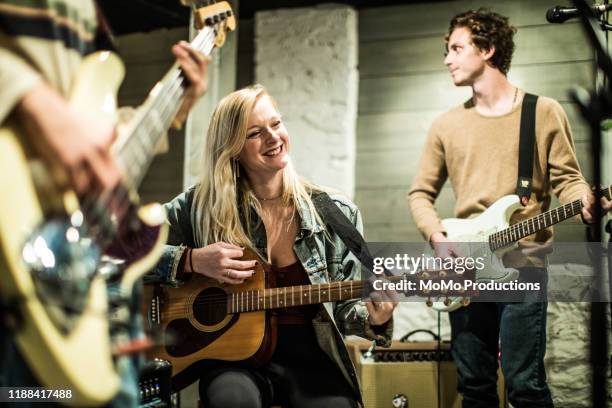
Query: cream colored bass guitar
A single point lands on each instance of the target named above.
(57, 254)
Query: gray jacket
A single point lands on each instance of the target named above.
(324, 260)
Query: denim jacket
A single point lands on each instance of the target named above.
(324, 260)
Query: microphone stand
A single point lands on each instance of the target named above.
(595, 107)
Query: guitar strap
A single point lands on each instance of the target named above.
(335, 220)
(526, 148)
(103, 38)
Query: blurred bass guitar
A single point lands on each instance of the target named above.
(52, 245)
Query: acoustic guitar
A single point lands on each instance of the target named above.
(203, 320)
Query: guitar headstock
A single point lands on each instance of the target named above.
(216, 15)
(442, 285)
(434, 285)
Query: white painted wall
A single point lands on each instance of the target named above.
(307, 59)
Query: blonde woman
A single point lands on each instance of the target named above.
(251, 197)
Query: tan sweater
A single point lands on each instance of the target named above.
(479, 155)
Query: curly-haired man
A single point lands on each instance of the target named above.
(475, 146)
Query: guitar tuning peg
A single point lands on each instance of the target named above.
(442, 274)
(465, 301)
(428, 302)
(447, 302)
(425, 275)
(426, 291)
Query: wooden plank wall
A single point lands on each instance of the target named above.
(404, 85)
(148, 57)
(245, 71)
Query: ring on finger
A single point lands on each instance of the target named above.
(228, 274)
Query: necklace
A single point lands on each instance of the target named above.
(268, 199)
(511, 107)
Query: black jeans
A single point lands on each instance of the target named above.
(299, 375)
(478, 331)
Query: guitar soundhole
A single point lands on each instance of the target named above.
(210, 306)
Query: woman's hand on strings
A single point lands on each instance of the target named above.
(381, 306)
(220, 261)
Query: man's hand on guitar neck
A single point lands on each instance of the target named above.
(195, 68)
(77, 150)
(588, 207)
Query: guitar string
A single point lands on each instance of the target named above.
(176, 87)
(219, 300)
(541, 218)
(238, 306)
(504, 237)
(175, 91)
(573, 206)
(515, 228)
(333, 289)
(121, 196)
(335, 286)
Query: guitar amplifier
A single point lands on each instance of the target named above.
(409, 369)
(155, 384)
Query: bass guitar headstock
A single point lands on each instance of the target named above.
(216, 15)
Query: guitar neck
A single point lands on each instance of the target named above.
(530, 226)
(275, 298)
(146, 130)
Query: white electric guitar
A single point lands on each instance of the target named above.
(490, 236)
(52, 246)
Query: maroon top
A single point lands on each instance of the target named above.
(293, 275)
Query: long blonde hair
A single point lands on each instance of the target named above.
(222, 194)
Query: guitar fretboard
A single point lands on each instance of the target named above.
(275, 298)
(156, 115)
(532, 225)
